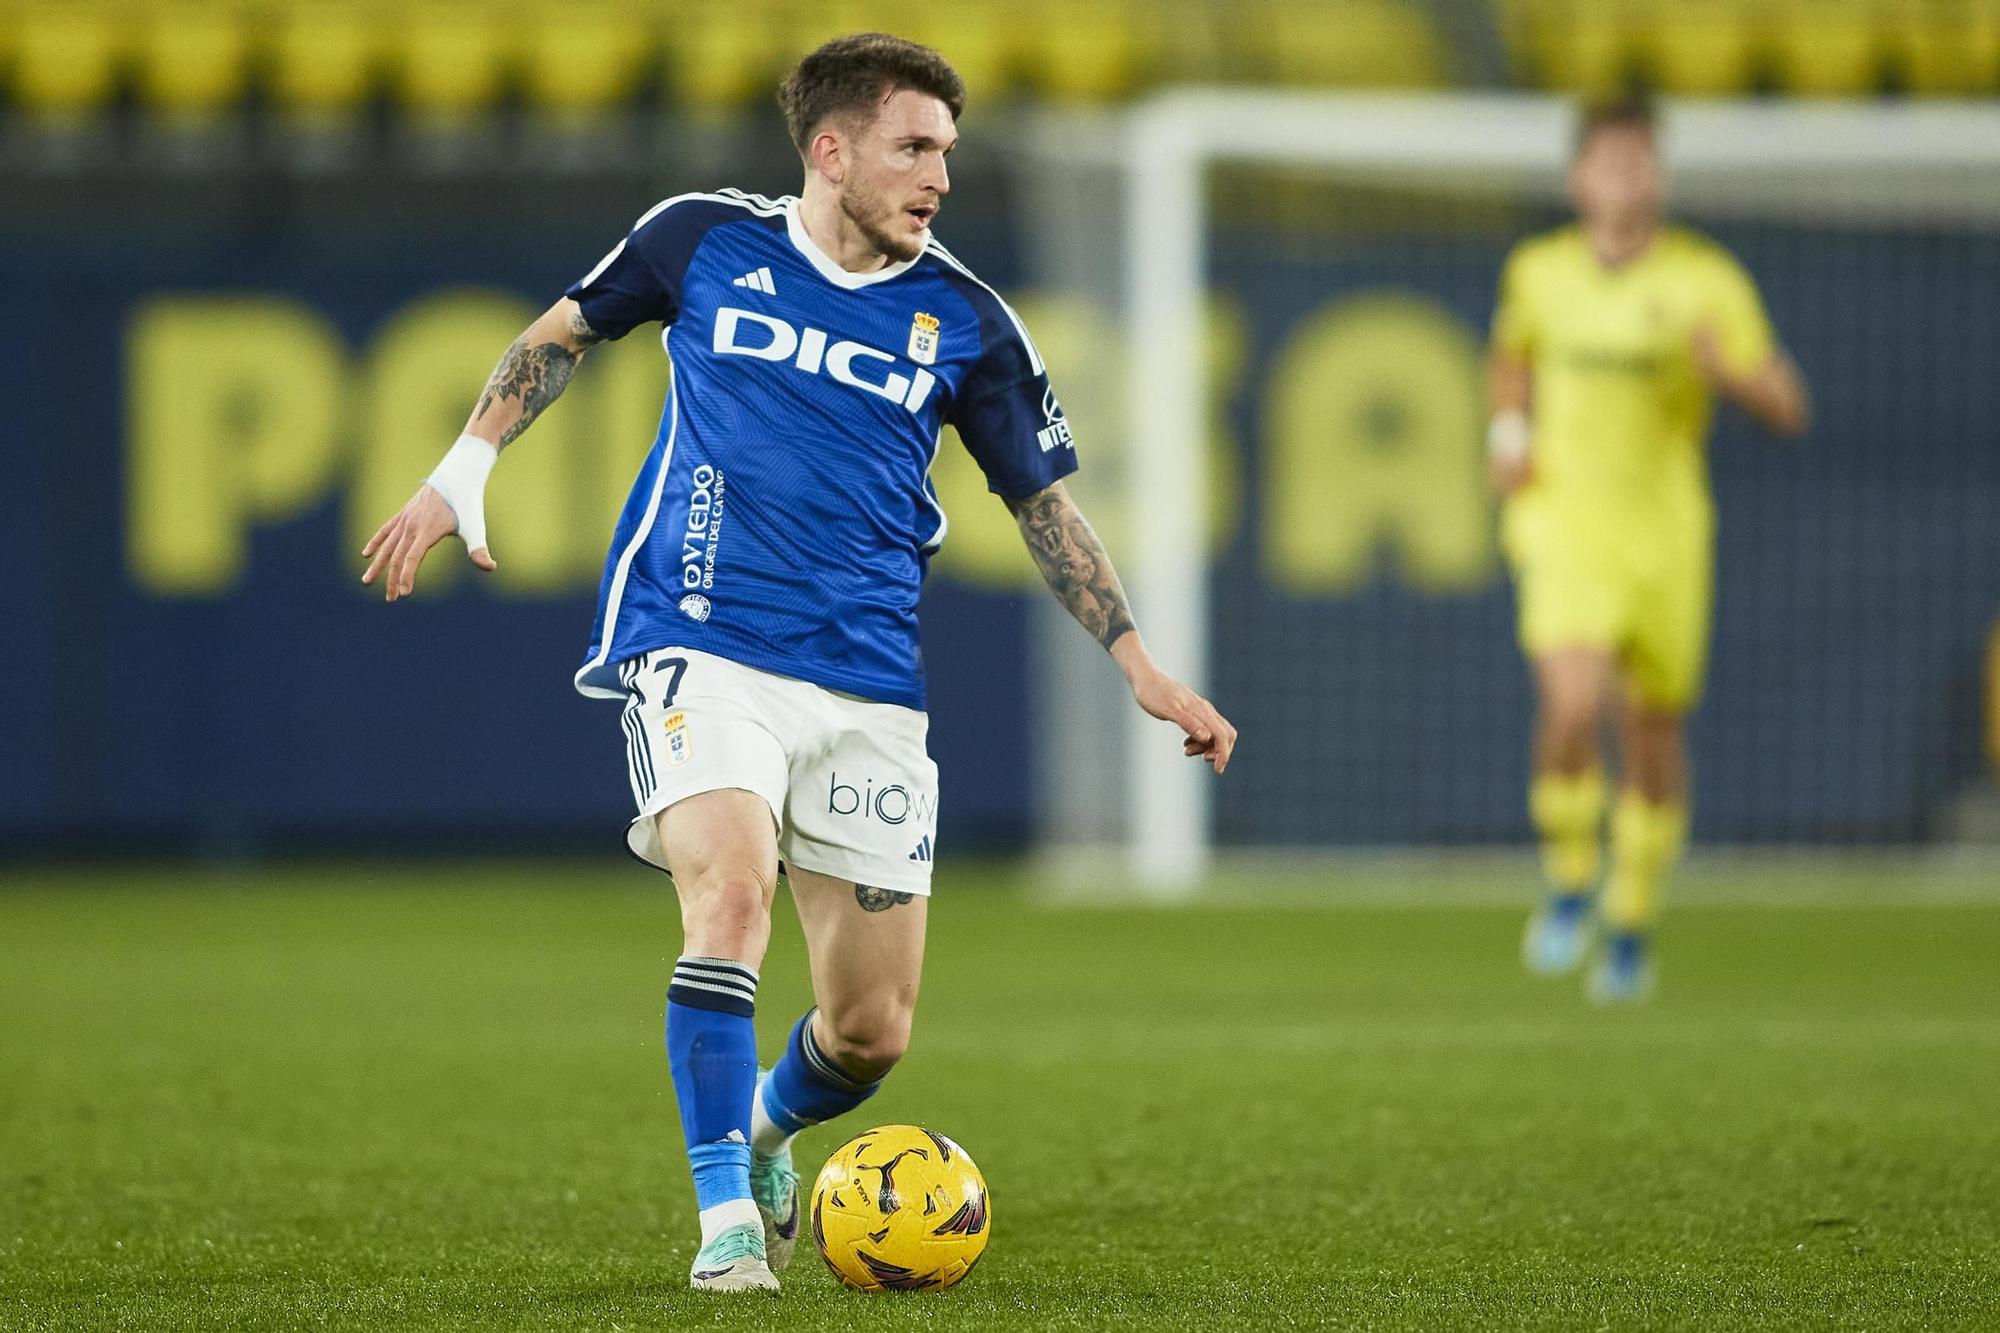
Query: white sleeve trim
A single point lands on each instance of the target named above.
(1034, 354)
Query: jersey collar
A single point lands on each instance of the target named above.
(832, 272)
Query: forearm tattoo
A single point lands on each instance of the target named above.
(1073, 563)
(535, 376)
(879, 900)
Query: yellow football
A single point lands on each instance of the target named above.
(900, 1208)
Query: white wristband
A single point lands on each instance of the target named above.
(1509, 436)
(460, 478)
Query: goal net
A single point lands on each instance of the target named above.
(1273, 353)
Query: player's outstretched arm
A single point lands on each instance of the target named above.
(1077, 569)
(533, 374)
(1775, 393)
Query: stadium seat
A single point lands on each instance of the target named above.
(1579, 46)
(67, 58)
(976, 38)
(588, 57)
(1832, 48)
(1195, 42)
(449, 59)
(1352, 43)
(324, 56)
(1702, 48)
(193, 58)
(1076, 52)
(1948, 48)
(720, 53)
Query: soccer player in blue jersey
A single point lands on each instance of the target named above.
(758, 610)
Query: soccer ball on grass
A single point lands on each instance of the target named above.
(900, 1208)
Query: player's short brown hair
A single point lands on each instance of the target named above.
(855, 75)
(1634, 111)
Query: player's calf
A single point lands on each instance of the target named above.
(811, 1085)
(815, 1080)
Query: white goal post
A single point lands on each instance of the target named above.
(1922, 160)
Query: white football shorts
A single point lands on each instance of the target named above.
(853, 794)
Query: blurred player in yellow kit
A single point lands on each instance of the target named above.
(1611, 341)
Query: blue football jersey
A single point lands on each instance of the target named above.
(785, 515)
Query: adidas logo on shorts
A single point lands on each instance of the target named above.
(923, 852)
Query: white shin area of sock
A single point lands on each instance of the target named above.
(766, 1138)
(734, 1213)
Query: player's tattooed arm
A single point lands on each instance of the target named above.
(1073, 562)
(533, 373)
(879, 900)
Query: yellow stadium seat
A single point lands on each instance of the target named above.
(1080, 50)
(1352, 43)
(1582, 46)
(1830, 48)
(193, 58)
(325, 55)
(67, 57)
(587, 57)
(450, 59)
(721, 53)
(1703, 48)
(1195, 42)
(976, 38)
(1948, 48)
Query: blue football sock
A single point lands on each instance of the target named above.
(712, 1050)
(807, 1088)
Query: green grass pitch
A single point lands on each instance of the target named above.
(434, 1097)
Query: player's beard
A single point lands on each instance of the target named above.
(875, 218)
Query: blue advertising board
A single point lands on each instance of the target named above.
(208, 423)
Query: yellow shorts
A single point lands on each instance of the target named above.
(1642, 592)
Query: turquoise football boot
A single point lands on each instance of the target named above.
(1624, 975)
(1558, 935)
(733, 1261)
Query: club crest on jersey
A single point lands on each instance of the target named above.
(675, 725)
(924, 339)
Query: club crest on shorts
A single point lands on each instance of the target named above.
(675, 725)
(924, 339)
(695, 606)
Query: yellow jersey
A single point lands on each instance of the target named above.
(1620, 411)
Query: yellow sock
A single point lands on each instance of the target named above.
(1568, 813)
(1646, 841)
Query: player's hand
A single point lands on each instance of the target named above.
(1209, 735)
(399, 546)
(1507, 473)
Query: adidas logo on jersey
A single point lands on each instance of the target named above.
(760, 281)
(767, 338)
(923, 852)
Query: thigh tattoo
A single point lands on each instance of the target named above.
(879, 900)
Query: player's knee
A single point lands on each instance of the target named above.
(868, 1039)
(723, 903)
(1570, 724)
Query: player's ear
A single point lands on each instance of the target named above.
(828, 158)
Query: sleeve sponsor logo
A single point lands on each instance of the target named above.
(1056, 434)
